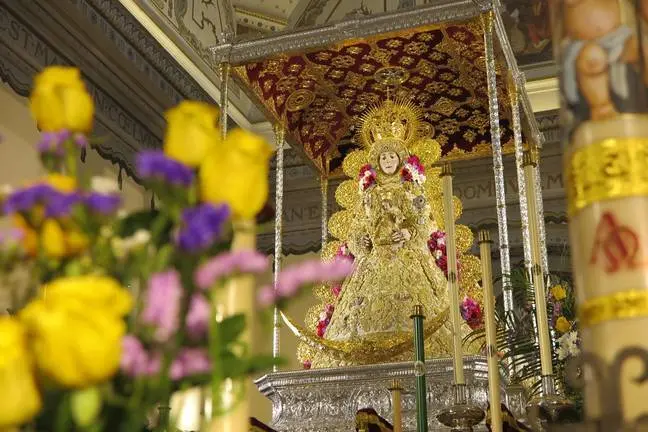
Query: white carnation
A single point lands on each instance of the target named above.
(104, 185)
(568, 345)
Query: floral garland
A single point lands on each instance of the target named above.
(367, 177)
(325, 319)
(413, 171)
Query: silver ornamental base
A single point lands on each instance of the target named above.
(461, 416)
(326, 400)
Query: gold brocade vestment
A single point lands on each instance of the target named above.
(391, 277)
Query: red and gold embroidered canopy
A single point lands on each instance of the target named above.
(319, 95)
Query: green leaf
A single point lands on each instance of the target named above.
(163, 258)
(232, 365)
(231, 328)
(263, 362)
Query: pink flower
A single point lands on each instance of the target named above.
(162, 305)
(226, 264)
(471, 312)
(291, 280)
(136, 361)
(197, 322)
(307, 364)
(190, 361)
(336, 289)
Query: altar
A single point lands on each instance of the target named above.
(326, 400)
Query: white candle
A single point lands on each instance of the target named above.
(494, 396)
(453, 283)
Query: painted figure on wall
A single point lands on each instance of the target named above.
(602, 73)
(529, 29)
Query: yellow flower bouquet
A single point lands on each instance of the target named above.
(120, 311)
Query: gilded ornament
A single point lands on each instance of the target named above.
(465, 238)
(299, 99)
(340, 224)
(610, 169)
(613, 307)
(347, 195)
(330, 249)
(354, 161)
(391, 76)
(427, 149)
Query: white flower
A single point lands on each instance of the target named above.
(437, 254)
(5, 190)
(568, 345)
(122, 246)
(104, 185)
(122, 214)
(322, 316)
(441, 241)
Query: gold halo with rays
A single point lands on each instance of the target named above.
(397, 118)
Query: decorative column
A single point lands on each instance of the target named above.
(397, 420)
(279, 132)
(419, 369)
(224, 69)
(498, 166)
(604, 89)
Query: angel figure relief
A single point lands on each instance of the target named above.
(391, 210)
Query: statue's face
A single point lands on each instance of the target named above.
(388, 162)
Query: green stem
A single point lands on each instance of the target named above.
(214, 353)
(63, 415)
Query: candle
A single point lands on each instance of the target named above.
(453, 285)
(396, 404)
(494, 396)
(237, 298)
(419, 370)
(537, 275)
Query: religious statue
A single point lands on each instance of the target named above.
(391, 212)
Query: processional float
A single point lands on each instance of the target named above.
(454, 62)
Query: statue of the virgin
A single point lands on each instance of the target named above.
(390, 228)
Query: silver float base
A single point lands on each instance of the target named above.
(326, 400)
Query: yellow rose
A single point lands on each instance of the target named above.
(76, 327)
(59, 243)
(30, 237)
(558, 292)
(236, 173)
(60, 101)
(53, 239)
(19, 396)
(191, 132)
(562, 324)
(61, 182)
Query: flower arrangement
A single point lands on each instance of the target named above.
(472, 313)
(413, 171)
(366, 178)
(121, 312)
(561, 302)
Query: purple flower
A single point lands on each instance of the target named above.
(136, 361)
(155, 165)
(201, 227)
(225, 264)
(53, 142)
(292, 279)
(163, 304)
(197, 322)
(60, 204)
(190, 361)
(81, 140)
(25, 199)
(103, 204)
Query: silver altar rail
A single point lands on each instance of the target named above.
(326, 400)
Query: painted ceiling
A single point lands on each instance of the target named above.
(319, 95)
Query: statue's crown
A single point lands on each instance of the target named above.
(392, 119)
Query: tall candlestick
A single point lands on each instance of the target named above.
(237, 298)
(397, 419)
(494, 396)
(419, 370)
(537, 275)
(453, 285)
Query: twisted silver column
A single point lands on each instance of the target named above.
(279, 132)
